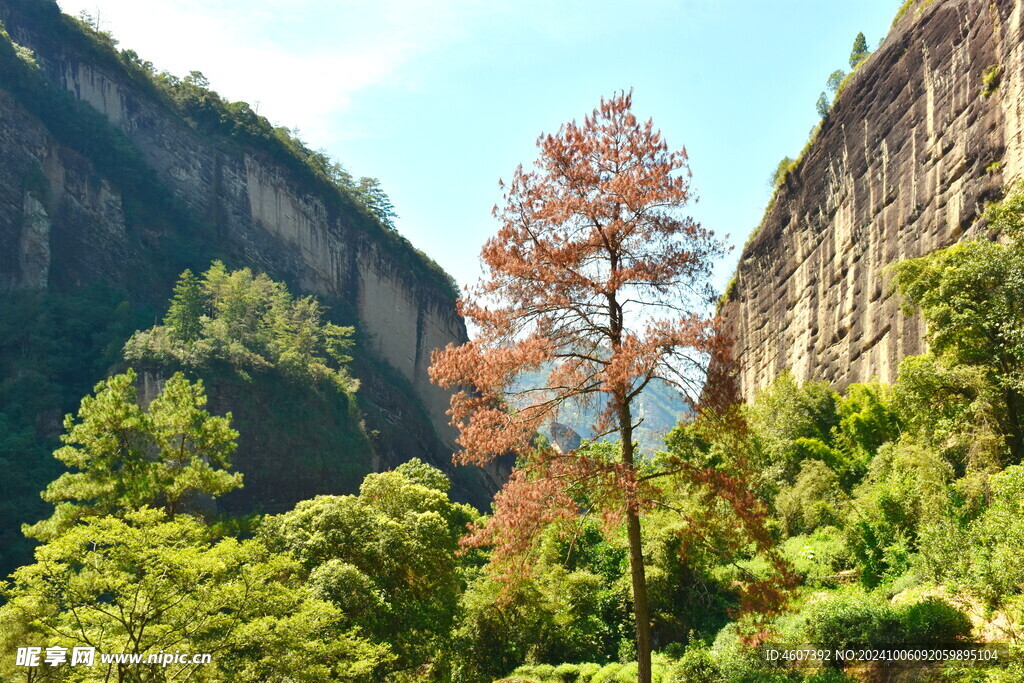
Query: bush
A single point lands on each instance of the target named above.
(982, 555)
(544, 672)
(735, 661)
(591, 673)
(814, 500)
(852, 619)
(697, 665)
(933, 622)
(855, 618)
(818, 557)
(990, 79)
(607, 673)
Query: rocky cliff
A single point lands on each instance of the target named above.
(916, 144)
(161, 193)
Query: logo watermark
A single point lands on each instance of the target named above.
(88, 656)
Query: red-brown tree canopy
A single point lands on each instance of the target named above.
(594, 273)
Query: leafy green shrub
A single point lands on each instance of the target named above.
(906, 488)
(615, 672)
(983, 555)
(544, 672)
(737, 661)
(933, 622)
(850, 619)
(818, 557)
(990, 79)
(607, 674)
(867, 420)
(814, 500)
(854, 618)
(697, 665)
(567, 673)
(784, 413)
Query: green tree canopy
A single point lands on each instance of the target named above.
(386, 557)
(249, 323)
(127, 457)
(785, 418)
(971, 295)
(860, 51)
(145, 584)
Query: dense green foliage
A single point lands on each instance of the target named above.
(972, 297)
(386, 557)
(143, 583)
(128, 457)
(53, 349)
(281, 367)
(248, 323)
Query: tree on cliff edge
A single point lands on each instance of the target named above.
(860, 50)
(595, 272)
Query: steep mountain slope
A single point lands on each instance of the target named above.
(923, 134)
(112, 183)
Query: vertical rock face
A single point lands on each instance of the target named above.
(264, 217)
(904, 164)
(69, 224)
(52, 206)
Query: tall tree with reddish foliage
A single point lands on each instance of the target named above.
(597, 275)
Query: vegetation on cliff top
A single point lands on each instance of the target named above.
(267, 356)
(362, 201)
(834, 86)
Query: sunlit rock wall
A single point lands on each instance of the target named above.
(904, 164)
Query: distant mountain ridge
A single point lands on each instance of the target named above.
(658, 409)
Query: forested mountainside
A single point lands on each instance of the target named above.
(237, 340)
(922, 134)
(114, 180)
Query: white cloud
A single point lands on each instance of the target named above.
(301, 61)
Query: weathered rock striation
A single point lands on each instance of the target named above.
(903, 164)
(64, 222)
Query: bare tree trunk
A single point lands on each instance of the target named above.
(641, 606)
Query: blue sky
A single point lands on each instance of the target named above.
(440, 99)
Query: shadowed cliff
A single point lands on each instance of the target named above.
(113, 182)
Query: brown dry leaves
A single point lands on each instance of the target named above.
(595, 277)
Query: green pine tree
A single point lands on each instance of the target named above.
(184, 318)
(860, 50)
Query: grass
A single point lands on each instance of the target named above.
(990, 79)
